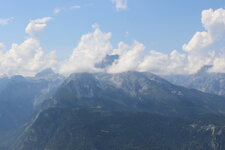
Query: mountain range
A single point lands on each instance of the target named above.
(20, 98)
(203, 80)
(98, 111)
(134, 91)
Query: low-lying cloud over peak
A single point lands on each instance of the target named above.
(206, 47)
(91, 49)
(26, 58)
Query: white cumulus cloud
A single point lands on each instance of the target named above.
(28, 57)
(136, 58)
(91, 49)
(76, 7)
(37, 26)
(207, 47)
(5, 21)
(160, 63)
(129, 57)
(204, 48)
(120, 4)
(57, 10)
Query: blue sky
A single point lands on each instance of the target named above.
(159, 36)
(159, 24)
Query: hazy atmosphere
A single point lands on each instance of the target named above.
(112, 75)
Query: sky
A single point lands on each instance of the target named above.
(163, 37)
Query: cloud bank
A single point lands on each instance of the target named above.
(207, 47)
(92, 49)
(28, 57)
(204, 48)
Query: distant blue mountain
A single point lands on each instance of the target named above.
(107, 61)
(125, 111)
(99, 111)
(21, 96)
(203, 80)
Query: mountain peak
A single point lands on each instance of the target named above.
(45, 72)
(18, 78)
(107, 61)
(204, 69)
(48, 74)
